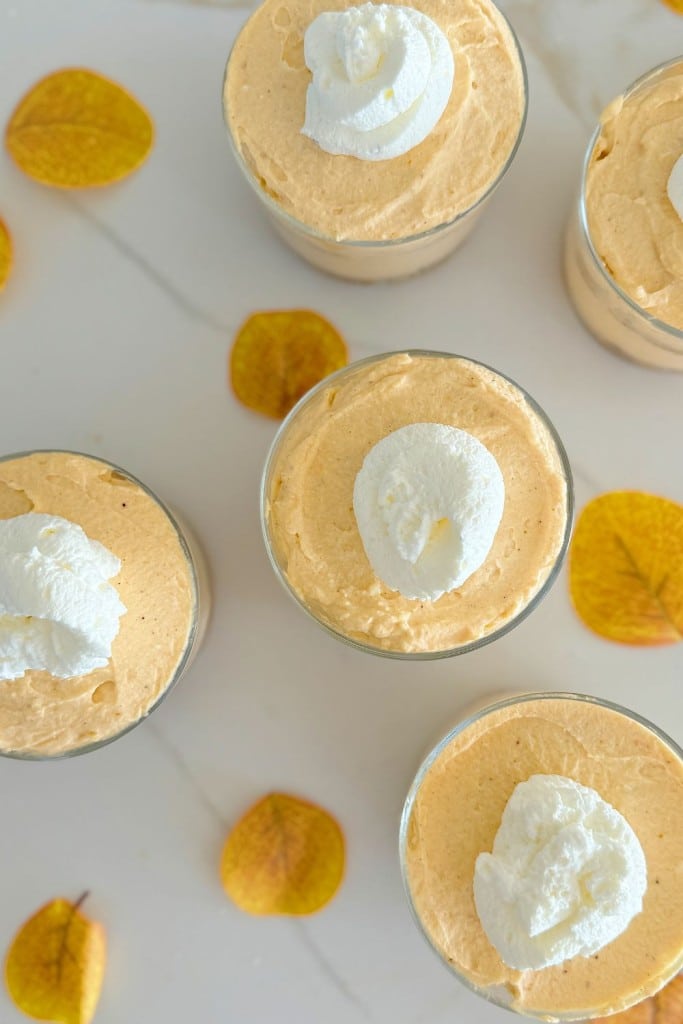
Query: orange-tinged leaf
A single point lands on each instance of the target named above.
(626, 568)
(641, 1013)
(669, 1002)
(675, 5)
(285, 856)
(55, 965)
(277, 356)
(5, 254)
(664, 1008)
(76, 129)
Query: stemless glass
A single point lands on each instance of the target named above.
(383, 260)
(476, 722)
(200, 601)
(608, 312)
(335, 381)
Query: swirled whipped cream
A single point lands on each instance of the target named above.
(58, 612)
(428, 500)
(566, 875)
(382, 76)
(674, 187)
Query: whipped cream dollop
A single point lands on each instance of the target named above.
(674, 187)
(428, 500)
(382, 76)
(566, 875)
(58, 612)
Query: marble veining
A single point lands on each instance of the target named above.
(591, 48)
(128, 252)
(362, 1012)
(181, 765)
(299, 929)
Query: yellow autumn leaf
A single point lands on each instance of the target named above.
(664, 1008)
(626, 568)
(76, 129)
(285, 856)
(55, 965)
(278, 356)
(669, 1002)
(675, 5)
(641, 1013)
(5, 254)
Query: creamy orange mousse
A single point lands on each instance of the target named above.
(343, 197)
(457, 811)
(633, 224)
(45, 716)
(310, 518)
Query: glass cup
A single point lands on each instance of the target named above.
(201, 603)
(269, 484)
(608, 312)
(513, 994)
(384, 260)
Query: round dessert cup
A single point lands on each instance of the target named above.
(499, 994)
(276, 561)
(200, 582)
(388, 259)
(607, 311)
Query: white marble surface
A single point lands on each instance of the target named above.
(114, 332)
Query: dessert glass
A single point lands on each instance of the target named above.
(382, 260)
(500, 994)
(201, 603)
(275, 556)
(608, 312)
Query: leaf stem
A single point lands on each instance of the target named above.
(81, 899)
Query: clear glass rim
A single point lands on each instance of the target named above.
(424, 768)
(674, 333)
(274, 208)
(194, 626)
(449, 651)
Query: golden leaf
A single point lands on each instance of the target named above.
(285, 856)
(76, 129)
(626, 568)
(669, 1002)
(5, 254)
(55, 965)
(641, 1013)
(664, 1008)
(276, 357)
(675, 5)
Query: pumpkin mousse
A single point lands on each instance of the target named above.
(345, 197)
(447, 559)
(99, 603)
(635, 226)
(322, 98)
(598, 754)
(624, 249)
